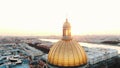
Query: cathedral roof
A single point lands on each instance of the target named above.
(66, 24)
(67, 52)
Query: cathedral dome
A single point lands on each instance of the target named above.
(66, 24)
(67, 52)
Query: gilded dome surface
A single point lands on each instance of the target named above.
(67, 52)
(66, 24)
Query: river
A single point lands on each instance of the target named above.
(92, 45)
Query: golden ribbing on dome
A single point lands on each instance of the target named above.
(67, 52)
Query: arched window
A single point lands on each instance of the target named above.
(66, 32)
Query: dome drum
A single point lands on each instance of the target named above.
(56, 66)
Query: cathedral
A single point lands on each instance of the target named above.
(67, 53)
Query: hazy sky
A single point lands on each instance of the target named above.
(46, 17)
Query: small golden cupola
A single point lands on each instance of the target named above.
(67, 52)
(66, 31)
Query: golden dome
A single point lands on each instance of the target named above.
(67, 52)
(66, 24)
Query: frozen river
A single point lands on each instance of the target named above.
(90, 44)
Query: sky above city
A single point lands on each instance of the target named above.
(46, 17)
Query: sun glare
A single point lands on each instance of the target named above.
(47, 17)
